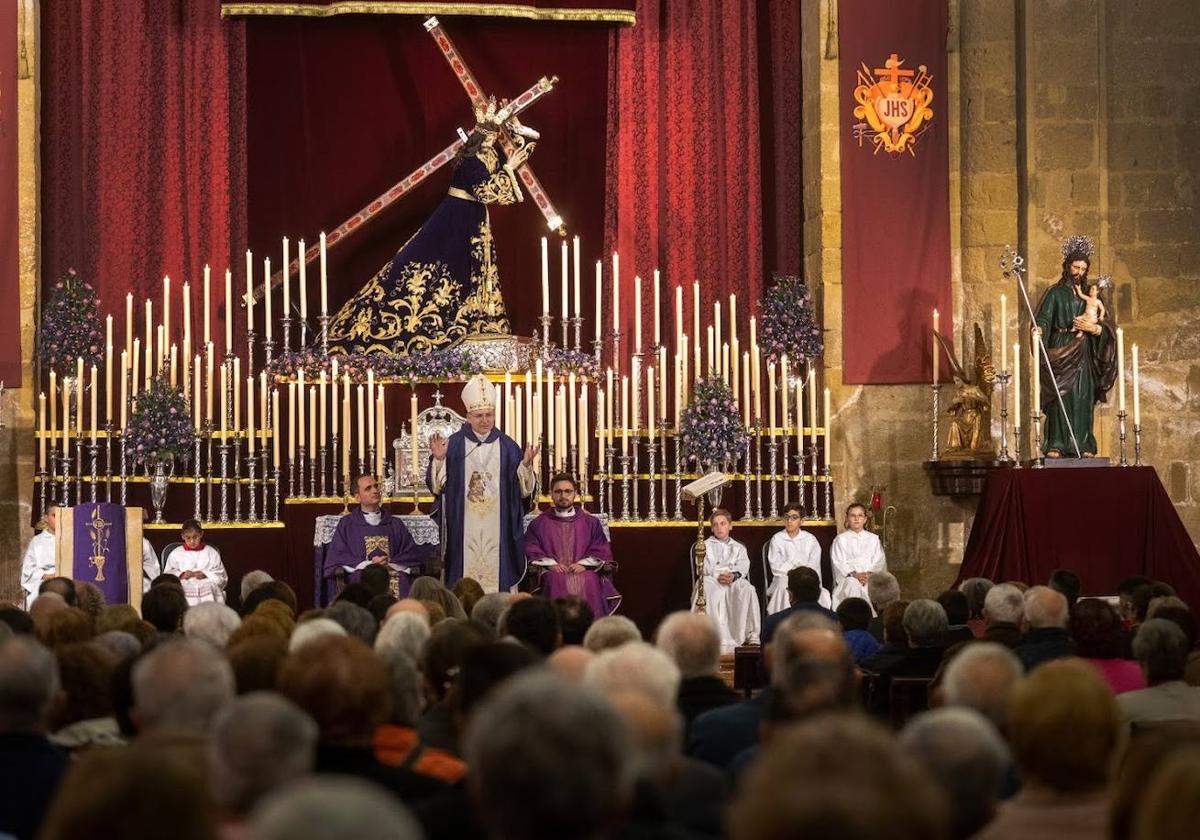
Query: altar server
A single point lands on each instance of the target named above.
(198, 566)
(856, 554)
(790, 549)
(731, 599)
(38, 563)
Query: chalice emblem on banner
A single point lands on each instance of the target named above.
(99, 530)
(895, 103)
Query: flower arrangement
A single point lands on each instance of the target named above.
(789, 326)
(159, 428)
(70, 325)
(711, 429)
(568, 361)
(449, 363)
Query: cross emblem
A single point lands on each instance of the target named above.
(892, 72)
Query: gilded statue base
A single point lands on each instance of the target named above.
(500, 353)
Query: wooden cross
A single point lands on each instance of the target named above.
(892, 72)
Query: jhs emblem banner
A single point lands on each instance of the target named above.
(894, 144)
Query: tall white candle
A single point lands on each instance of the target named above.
(287, 288)
(228, 312)
(324, 278)
(624, 415)
(207, 305)
(575, 265)
(1120, 369)
(128, 326)
(275, 428)
(267, 324)
(300, 395)
(771, 398)
(1016, 348)
(1037, 378)
(545, 276)
(657, 312)
(650, 403)
(599, 294)
(637, 313)
(616, 295)
(1003, 332)
(303, 280)
(934, 346)
(166, 312)
(565, 271)
(250, 430)
(249, 290)
(828, 430)
(1137, 391)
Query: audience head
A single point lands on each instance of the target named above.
(925, 623)
(62, 586)
(484, 667)
(86, 673)
(468, 592)
(609, 632)
(427, 588)
(488, 609)
(807, 686)
(636, 666)
(570, 662)
(376, 579)
(1096, 629)
(444, 652)
(333, 808)
(307, 632)
(1063, 727)
(356, 620)
(118, 617)
(44, 606)
(251, 581)
(1161, 648)
(180, 686)
(1170, 807)
(274, 590)
(1141, 598)
(954, 602)
(836, 775)
(342, 685)
(408, 688)
(882, 589)
(256, 661)
(1004, 604)
(526, 733)
(803, 635)
(533, 622)
(29, 684)
(164, 607)
(982, 677)
(18, 620)
(211, 622)
(379, 605)
(409, 605)
(260, 742)
(1179, 615)
(166, 579)
(1148, 751)
(854, 614)
(1125, 590)
(893, 623)
(66, 627)
(1067, 584)
(964, 756)
(1045, 608)
(574, 618)
(976, 590)
(693, 642)
(90, 599)
(404, 632)
(354, 593)
(803, 585)
(120, 644)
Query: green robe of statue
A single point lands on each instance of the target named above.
(1084, 367)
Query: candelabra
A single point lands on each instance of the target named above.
(286, 320)
(362, 468)
(372, 464)
(291, 475)
(208, 470)
(773, 449)
(323, 320)
(1004, 376)
(651, 466)
(756, 438)
(577, 326)
(251, 465)
(43, 490)
(79, 469)
(196, 467)
(1039, 458)
(1137, 444)
(678, 517)
(748, 507)
(275, 501)
(827, 507)
(615, 338)
(624, 486)
(124, 464)
(249, 354)
(572, 465)
(545, 319)
(597, 349)
(314, 461)
(237, 478)
(333, 459)
(266, 481)
(303, 332)
(937, 395)
(812, 455)
(636, 470)
(322, 455)
(108, 461)
(94, 456)
(609, 455)
(1121, 432)
(565, 330)
(783, 463)
(302, 468)
(224, 447)
(1016, 442)
(268, 357)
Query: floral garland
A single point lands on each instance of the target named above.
(711, 429)
(70, 325)
(571, 361)
(160, 427)
(450, 363)
(788, 323)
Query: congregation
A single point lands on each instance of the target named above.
(458, 714)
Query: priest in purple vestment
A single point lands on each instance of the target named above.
(370, 535)
(568, 547)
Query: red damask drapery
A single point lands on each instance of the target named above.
(142, 143)
(704, 147)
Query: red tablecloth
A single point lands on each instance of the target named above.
(1103, 523)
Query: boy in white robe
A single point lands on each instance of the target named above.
(729, 595)
(855, 555)
(198, 567)
(38, 564)
(790, 549)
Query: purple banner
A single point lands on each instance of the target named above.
(99, 550)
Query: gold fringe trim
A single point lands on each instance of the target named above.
(366, 7)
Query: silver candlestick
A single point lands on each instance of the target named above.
(678, 515)
(266, 481)
(94, 456)
(43, 490)
(302, 469)
(124, 470)
(303, 333)
(1121, 432)
(371, 462)
(615, 338)
(313, 463)
(577, 327)
(291, 476)
(108, 461)
(812, 456)
(323, 320)
(545, 319)
(572, 464)
(268, 358)
(286, 320)
(937, 393)
(746, 482)
(1004, 376)
(773, 450)
(634, 450)
(251, 469)
(237, 477)
(322, 455)
(1039, 457)
(249, 354)
(609, 455)
(827, 507)
(783, 463)
(1016, 442)
(756, 438)
(224, 447)
(651, 466)
(79, 469)
(565, 329)
(597, 349)
(208, 469)
(196, 467)
(625, 482)
(1137, 444)
(275, 501)
(335, 476)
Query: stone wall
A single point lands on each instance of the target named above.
(1065, 116)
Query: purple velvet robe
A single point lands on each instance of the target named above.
(568, 540)
(356, 543)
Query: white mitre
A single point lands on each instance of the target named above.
(479, 394)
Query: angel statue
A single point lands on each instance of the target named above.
(443, 285)
(970, 410)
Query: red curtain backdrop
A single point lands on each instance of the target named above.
(341, 108)
(895, 209)
(10, 292)
(142, 145)
(704, 149)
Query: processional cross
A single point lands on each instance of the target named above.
(406, 184)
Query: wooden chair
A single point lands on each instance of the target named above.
(907, 698)
(748, 671)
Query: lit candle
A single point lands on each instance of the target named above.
(207, 296)
(346, 426)
(1016, 348)
(572, 424)
(312, 404)
(79, 401)
(637, 394)
(42, 428)
(149, 327)
(1003, 332)
(187, 318)
(267, 296)
(599, 294)
(601, 424)
(575, 265)
(300, 426)
(275, 428)
(717, 323)
(161, 356)
(128, 326)
(381, 444)
(134, 362)
(324, 278)
(746, 389)
(166, 311)
(545, 277)
(174, 365)
(827, 430)
(287, 288)
(934, 347)
(237, 394)
(1037, 379)
(262, 409)
(108, 359)
(124, 389)
(1137, 398)
(662, 385)
(303, 280)
(771, 398)
(362, 416)
(208, 383)
(812, 407)
(784, 388)
(1120, 369)
(224, 400)
(800, 419)
(713, 365)
(624, 415)
(249, 291)
(679, 377)
(66, 413)
(725, 365)
(412, 442)
(657, 315)
(371, 402)
(650, 403)
(735, 356)
(333, 397)
(95, 388)
(250, 436)
(195, 397)
(609, 409)
(54, 403)
(321, 398)
(292, 420)
(616, 296)
(583, 439)
(637, 313)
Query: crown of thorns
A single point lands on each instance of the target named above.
(1074, 245)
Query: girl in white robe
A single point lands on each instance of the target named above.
(855, 555)
(198, 567)
(790, 549)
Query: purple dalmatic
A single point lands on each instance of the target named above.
(554, 540)
(357, 543)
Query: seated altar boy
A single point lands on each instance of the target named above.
(371, 536)
(790, 549)
(569, 552)
(198, 566)
(729, 595)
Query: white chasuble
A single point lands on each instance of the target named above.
(481, 513)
